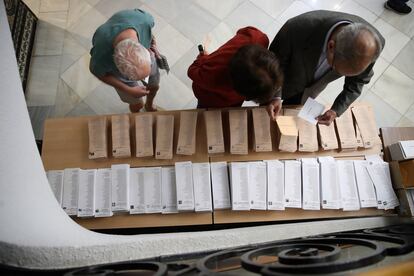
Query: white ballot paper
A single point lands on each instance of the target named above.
(136, 191)
(184, 184)
(239, 183)
(310, 180)
(103, 188)
(70, 191)
(55, 179)
(145, 190)
(168, 190)
(367, 197)
(220, 185)
(380, 175)
(331, 193)
(86, 193)
(152, 189)
(293, 184)
(202, 187)
(257, 185)
(347, 183)
(275, 185)
(120, 187)
(311, 110)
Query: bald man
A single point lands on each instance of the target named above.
(318, 47)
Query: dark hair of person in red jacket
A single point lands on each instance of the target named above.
(255, 73)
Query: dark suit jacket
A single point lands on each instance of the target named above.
(298, 45)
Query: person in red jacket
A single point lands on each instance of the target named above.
(241, 69)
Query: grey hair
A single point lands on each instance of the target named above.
(129, 57)
(346, 38)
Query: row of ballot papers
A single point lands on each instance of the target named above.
(308, 183)
(101, 192)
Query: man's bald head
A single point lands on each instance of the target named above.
(356, 46)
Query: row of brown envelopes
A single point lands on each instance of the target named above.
(355, 128)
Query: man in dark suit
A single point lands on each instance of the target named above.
(318, 47)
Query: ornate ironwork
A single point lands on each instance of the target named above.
(330, 253)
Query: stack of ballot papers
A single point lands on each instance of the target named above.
(185, 186)
(379, 173)
(186, 144)
(287, 133)
(103, 193)
(346, 131)
(120, 187)
(220, 185)
(168, 191)
(311, 184)
(202, 187)
(143, 135)
(330, 190)
(262, 140)
(86, 193)
(70, 191)
(308, 136)
(214, 130)
(238, 131)
(121, 146)
(275, 185)
(98, 137)
(145, 190)
(308, 183)
(165, 136)
(366, 125)
(293, 184)
(347, 185)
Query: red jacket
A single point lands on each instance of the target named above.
(210, 73)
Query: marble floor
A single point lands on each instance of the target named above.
(60, 84)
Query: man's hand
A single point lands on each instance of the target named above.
(327, 118)
(153, 47)
(273, 108)
(138, 91)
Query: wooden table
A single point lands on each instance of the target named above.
(65, 145)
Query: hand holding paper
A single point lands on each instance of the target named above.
(311, 110)
(327, 118)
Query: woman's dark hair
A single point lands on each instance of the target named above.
(256, 73)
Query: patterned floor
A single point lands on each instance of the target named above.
(61, 85)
